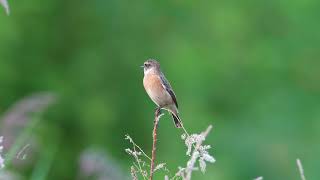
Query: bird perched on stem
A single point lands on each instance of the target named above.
(159, 90)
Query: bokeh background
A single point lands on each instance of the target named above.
(249, 68)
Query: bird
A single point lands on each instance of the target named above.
(159, 90)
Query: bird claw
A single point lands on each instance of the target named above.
(158, 111)
(158, 114)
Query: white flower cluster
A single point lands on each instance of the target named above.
(1, 158)
(197, 152)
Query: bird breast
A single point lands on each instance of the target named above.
(155, 90)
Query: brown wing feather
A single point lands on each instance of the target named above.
(168, 88)
(173, 96)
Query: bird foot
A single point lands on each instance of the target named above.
(158, 111)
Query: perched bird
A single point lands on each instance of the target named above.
(159, 90)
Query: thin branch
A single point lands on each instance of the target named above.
(154, 137)
(22, 153)
(299, 164)
(137, 146)
(140, 168)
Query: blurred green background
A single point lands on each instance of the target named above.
(249, 68)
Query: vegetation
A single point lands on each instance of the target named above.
(249, 68)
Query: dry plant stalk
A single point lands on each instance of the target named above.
(299, 164)
(196, 150)
(154, 143)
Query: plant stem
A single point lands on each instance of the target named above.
(299, 164)
(154, 137)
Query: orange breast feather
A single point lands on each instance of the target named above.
(153, 83)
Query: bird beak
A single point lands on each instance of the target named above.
(142, 66)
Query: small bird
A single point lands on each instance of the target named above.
(159, 90)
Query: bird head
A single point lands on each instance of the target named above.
(151, 65)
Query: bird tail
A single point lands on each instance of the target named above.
(176, 120)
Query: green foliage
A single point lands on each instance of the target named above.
(250, 68)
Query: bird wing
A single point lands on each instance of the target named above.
(165, 83)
